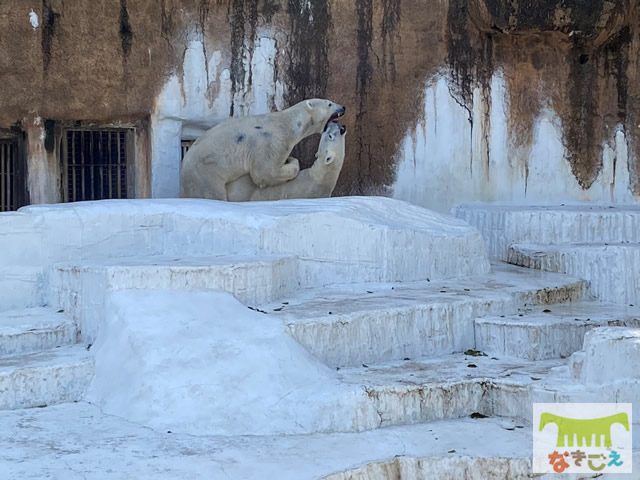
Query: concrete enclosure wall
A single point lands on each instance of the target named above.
(447, 101)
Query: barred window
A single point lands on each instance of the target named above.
(95, 164)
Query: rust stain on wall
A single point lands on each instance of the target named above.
(570, 56)
(578, 58)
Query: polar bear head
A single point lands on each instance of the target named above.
(321, 113)
(331, 147)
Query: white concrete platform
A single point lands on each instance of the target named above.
(546, 332)
(81, 288)
(378, 292)
(34, 329)
(504, 225)
(44, 378)
(77, 441)
(351, 239)
(611, 269)
(373, 323)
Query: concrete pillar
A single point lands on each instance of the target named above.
(166, 152)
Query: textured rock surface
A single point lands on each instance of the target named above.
(564, 72)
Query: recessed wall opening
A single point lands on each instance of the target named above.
(12, 174)
(97, 164)
(186, 144)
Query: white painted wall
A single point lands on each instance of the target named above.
(201, 97)
(443, 162)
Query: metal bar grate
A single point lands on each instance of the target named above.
(96, 164)
(186, 144)
(8, 176)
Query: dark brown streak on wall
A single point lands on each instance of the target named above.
(633, 103)
(168, 21)
(307, 70)
(470, 56)
(364, 11)
(252, 18)
(126, 33)
(50, 19)
(203, 16)
(244, 17)
(391, 14)
(616, 67)
(237, 21)
(581, 134)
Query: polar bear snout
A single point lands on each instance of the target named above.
(339, 112)
(343, 129)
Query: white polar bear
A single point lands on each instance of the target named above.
(315, 182)
(258, 145)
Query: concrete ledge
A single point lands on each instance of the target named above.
(612, 270)
(34, 329)
(504, 225)
(81, 289)
(540, 333)
(46, 378)
(611, 355)
(351, 325)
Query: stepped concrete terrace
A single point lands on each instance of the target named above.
(344, 338)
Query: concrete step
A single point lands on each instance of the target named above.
(505, 225)
(448, 387)
(102, 443)
(374, 323)
(603, 347)
(459, 385)
(46, 378)
(611, 269)
(80, 289)
(35, 329)
(604, 371)
(546, 332)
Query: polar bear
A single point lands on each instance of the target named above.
(258, 145)
(315, 182)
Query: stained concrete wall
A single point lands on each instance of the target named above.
(447, 101)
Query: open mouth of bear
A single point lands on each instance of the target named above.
(333, 119)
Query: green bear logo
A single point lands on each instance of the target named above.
(584, 429)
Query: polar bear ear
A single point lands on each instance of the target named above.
(328, 160)
(309, 104)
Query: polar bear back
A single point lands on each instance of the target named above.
(319, 181)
